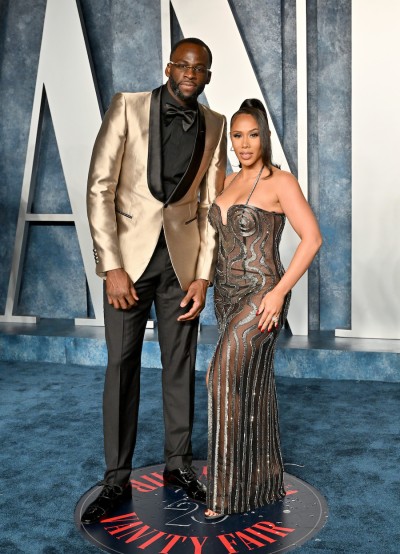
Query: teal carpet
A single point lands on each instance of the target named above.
(340, 436)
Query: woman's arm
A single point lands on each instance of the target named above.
(302, 219)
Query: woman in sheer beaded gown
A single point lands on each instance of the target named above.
(251, 295)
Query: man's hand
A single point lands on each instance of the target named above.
(196, 293)
(120, 290)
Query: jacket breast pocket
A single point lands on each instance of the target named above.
(120, 212)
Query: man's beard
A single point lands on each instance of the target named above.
(176, 90)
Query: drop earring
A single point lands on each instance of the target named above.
(237, 164)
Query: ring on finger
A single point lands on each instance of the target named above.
(275, 319)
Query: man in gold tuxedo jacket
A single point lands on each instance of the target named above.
(158, 162)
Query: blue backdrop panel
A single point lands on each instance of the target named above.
(124, 39)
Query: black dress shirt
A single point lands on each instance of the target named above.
(177, 145)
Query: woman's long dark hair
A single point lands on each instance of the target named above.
(255, 108)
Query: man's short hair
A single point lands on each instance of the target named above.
(193, 40)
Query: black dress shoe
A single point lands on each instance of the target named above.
(186, 478)
(109, 498)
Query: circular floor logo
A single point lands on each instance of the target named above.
(163, 520)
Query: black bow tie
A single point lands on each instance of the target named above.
(188, 116)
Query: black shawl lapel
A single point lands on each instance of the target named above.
(186, 182)
(154, 159)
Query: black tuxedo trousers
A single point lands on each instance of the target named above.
(124, 336)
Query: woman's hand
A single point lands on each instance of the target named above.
(270, 310)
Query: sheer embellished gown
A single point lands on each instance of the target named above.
(245, 468)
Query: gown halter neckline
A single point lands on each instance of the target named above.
(253, 188)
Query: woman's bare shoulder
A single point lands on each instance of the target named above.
(282, 177)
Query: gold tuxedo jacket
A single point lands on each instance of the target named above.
(126, 208)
